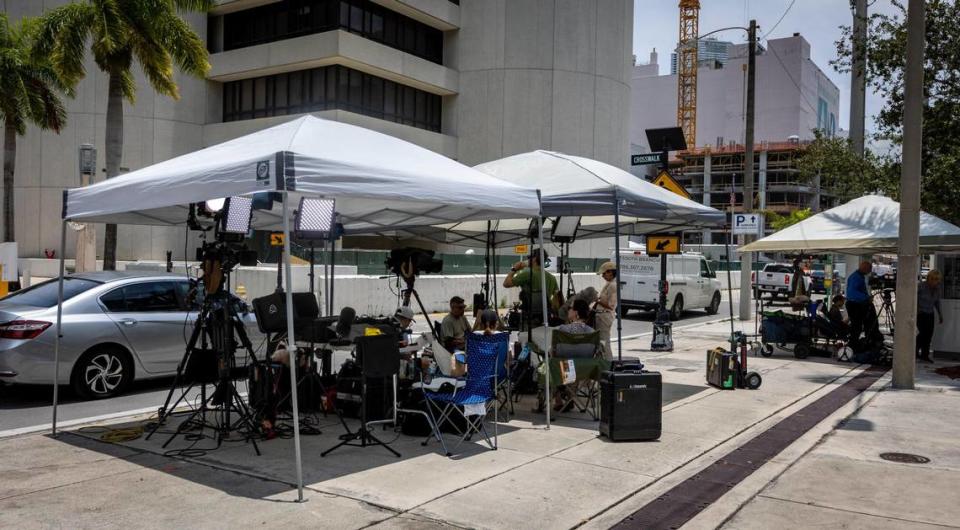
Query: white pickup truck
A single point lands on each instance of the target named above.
(776, 279)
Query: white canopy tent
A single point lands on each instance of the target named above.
(867, 225)
(378, 182)
(610, 201)
(577, 186)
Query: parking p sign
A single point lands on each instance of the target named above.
(747, 223)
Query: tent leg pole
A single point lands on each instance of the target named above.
(616, 250)
(291, 343)
(546, 313)
(56, 339)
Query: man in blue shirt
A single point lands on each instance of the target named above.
(858, 304)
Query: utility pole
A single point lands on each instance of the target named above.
(858, 73)
(746, 289)
(908, 253)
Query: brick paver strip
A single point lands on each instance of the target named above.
(687, 499)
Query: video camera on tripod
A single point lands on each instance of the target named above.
(410, 261)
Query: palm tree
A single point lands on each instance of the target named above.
(28, 94)
(121, 32)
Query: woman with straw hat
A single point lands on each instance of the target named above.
(606, 304)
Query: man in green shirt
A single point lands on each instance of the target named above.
(528, 279)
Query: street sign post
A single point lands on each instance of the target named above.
(645, 159)
(658, 244)
(747, 223)
(665, 180)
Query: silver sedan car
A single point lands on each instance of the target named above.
(117, 327)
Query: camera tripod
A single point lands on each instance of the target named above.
(217, 322)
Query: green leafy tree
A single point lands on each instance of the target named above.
(120, 33)
(779, 222)
(886, 52)
(843, 172)
(29, 94)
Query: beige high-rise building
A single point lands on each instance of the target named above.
(475, 80)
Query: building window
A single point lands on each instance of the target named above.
(295, 18)
(330, 87)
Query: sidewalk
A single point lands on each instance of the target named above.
(561, 478)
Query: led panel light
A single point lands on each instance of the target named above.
(565, 229)
(236, 216)
(314, 218)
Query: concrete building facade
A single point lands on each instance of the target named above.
(793, 97)
(475, 80)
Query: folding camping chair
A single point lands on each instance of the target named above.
(583, 351)
(484, 353)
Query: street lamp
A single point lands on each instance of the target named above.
(86, 258)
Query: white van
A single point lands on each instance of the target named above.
(691, 283)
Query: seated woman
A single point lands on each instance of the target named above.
(577, 317)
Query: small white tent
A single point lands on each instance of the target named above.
(867, 225)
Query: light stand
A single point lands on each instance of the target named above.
(220, 323)
(564, 232)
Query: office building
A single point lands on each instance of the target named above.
(475, 80)
(711, 52)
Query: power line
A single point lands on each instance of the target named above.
(781, 19)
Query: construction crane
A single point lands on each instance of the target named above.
(687, 70)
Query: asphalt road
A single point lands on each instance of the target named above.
(29, 406)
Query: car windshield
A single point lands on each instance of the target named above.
(45, 294)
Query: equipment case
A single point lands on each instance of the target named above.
(630, 403)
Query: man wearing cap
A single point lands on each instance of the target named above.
(404, 317)
(529, 281)
(606, 305)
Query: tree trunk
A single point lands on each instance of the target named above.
(114, 146)
(9, 164)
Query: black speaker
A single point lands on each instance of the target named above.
(378, 355)
(630, 405)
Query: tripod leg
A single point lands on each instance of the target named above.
(166, 409)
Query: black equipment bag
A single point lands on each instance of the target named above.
(630, 405)
(271, 311)
(201, 366)
(413, 424)
(265, 385)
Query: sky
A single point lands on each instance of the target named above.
(656, 25)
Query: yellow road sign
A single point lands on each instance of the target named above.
(276, 239)
(521, 249)
(666, 180)
(663, 244)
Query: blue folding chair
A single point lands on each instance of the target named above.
(484, 354)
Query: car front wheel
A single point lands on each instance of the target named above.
(102, 373)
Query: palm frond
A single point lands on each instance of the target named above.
(184, 45)
(62, 37)
(194, 5)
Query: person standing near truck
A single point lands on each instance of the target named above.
(606, 306)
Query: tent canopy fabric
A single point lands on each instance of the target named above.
(867, 225)
(377, 180)
(577, 186)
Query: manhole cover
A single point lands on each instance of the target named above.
(904, 458)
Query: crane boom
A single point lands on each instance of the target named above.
(687, 70)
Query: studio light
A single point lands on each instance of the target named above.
(564, 229)
(214, 205)
(236, 215)
(314, 218)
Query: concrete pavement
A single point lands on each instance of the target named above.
(561, 478)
